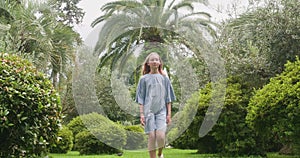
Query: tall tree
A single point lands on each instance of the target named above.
(32, 31)
(68, 11)
(129, 23)
(260, 41)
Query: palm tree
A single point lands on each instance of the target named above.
(33, 32)
(129, 23)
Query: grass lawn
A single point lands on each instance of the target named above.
(168, 153)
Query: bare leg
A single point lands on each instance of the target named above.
(151, 145)
(160, 138)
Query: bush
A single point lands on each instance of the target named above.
(190, 139)
(64, 142)
(104, 136)
(136, 138)
(76, 126)
(231, 135)
(234, 136)
(274, 110)
(88, 144)
(30, 109)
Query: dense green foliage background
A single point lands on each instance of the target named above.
(30, 109)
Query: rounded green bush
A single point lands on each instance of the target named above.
(76, 126)
(102, 136)
(64, 142)
(30, 109)
(136, 138)
(88, 144)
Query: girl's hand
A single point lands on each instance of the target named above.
(142, 119)
(169, 119)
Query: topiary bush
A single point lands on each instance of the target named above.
(136, 138)
(88, 144)
(102, 136)
(64, 142)
(30, 109)
(274, 110)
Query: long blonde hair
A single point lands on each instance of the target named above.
(146, 68)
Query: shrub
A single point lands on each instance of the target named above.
(76, 126)
(190, 139)
(30, 109)
(104, 136)
(64, 142)
(231, 136)
(136, 138)
(180, 122)
(274, 110)
(88, 144)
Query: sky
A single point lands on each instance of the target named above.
(218, 9)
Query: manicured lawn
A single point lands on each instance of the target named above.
(168, 153)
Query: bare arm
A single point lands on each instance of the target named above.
(169, 105)
(142, 117)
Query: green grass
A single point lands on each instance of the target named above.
(168, 153)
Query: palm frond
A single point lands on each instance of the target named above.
(183, 4)
(104, 59)
(4, 27)
(99, 20)
(205, 2)
(204, 14)
(6, 11)
(105, 32)
(112, 8)
(200, 24)
(171, 5)
(114, 27)
(127, 22)
(121, 5)
(169, 17)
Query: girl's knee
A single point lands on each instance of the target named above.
(160, 136)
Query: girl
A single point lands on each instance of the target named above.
(154, 94)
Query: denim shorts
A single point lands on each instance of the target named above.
(156, 121)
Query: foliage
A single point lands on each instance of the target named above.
(136, 138)
(181, 120)
(68, 11)
(88, 144)
(131, 23)
(50, 47)
(68, 103)
(260, 41)
(76, 126)
(274, 110)
(64, 142)
(30, 109)
(104, 136)
(97, 128)
(231, 136)
(110, 93)
(239, 139)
